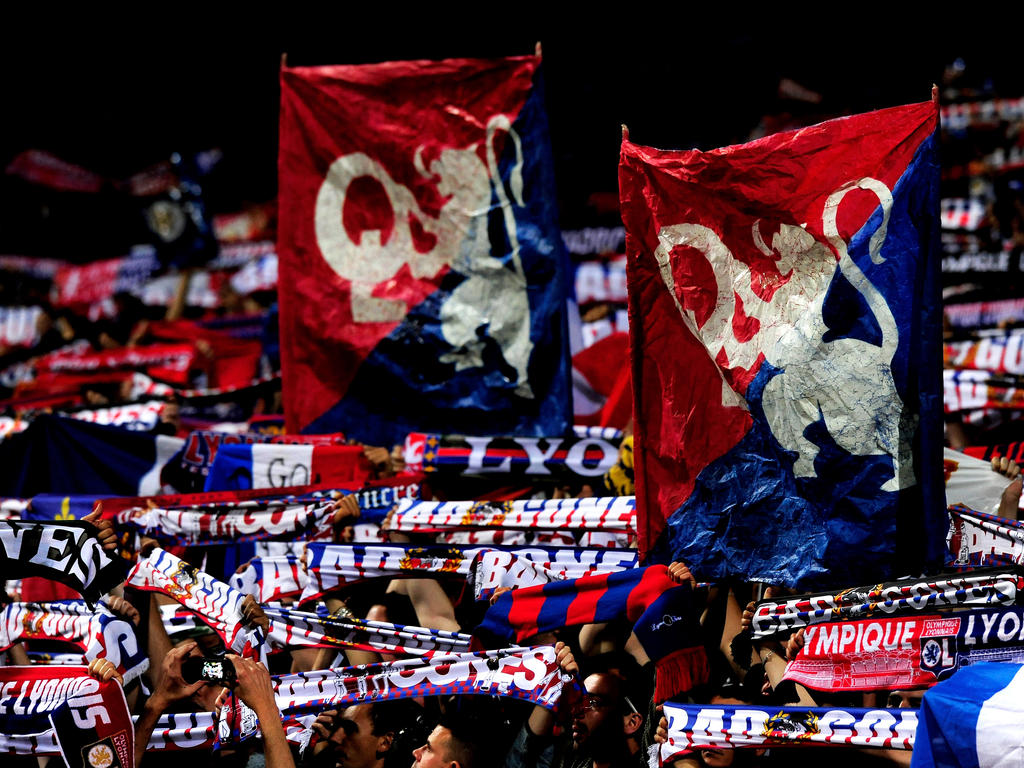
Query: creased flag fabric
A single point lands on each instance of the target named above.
(973, 719)
(65, 456)
(421, 271)
(785, 331)
(276, 465)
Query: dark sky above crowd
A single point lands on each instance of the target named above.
(120, 96)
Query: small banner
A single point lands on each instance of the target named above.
(905, 652)
(991, 586)
(585, 458)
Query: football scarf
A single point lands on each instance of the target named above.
(905, 652)
(215, 602)
(291, 628)
(970, 390)
(697, 726)
(64, 552)
(661, 610)
(585, 456)
(270, 579)
(191, 527)
(332, 566)
(976, 539)
(99, 634)
(992, 586)
(93, 728)
(494, 569)
(527, 674)
(615, 513)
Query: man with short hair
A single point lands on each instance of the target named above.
(452, 744)
(606, 724)
(362, 735)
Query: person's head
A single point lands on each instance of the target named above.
(452, 744)
(605, 718)
(366, 732)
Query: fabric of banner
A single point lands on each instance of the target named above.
(274, 465)
(905, 652)
(696, 726)
(990, 586)
(977, 539)
(201, 446)
(421, 272)
(971, 482)
(59, 455)
(785, 324)
(332, 566)
(65, 552)
(972, 719)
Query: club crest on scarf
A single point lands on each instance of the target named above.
(183, 581)
(784, 727)
(417, 559)
(487, 513)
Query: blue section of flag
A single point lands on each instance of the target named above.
(49, 506)
(412, 380)
(972, 720)
(231, 469)
(64, 456)
(750, 514)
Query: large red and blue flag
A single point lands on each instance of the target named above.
(421, 271)
(785, 322)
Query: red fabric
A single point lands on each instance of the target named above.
(394, 120)
(36, 589)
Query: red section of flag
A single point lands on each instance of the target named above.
(364, 238)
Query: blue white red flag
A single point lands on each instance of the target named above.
(421, 269)
(972, 719)
(785, 324)
(277, 465)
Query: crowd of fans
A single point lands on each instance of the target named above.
(612, 720)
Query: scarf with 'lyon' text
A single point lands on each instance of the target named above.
(907, 651)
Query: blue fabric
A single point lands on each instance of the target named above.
(65, 456)
(947, 729)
